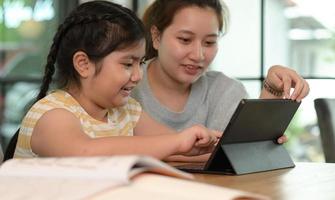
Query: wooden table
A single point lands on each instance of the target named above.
(306, 181)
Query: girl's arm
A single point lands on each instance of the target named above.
(148, 126)
(180, 158)
(58, 133)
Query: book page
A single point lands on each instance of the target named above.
(149, 164)
(62, 178)
(74, 177)
(115, 168)
(46, 188)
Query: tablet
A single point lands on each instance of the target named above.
(259, 120)
(249, 142)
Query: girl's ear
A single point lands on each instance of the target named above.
(155, 37)
(81, 64)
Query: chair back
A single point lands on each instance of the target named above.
(1, 154)
(11, 146)
(325, 111)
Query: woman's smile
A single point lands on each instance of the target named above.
(192, 70)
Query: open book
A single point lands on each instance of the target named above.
(99, 178)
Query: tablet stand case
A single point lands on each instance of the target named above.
(244, 158)
(262, 153)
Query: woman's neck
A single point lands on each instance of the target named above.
(167, 90)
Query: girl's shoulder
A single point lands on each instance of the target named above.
(55, 99)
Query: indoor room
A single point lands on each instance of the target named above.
(256, 34)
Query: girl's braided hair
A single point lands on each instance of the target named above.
(96, 28)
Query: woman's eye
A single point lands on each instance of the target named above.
(210, 43)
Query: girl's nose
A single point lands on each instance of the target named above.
(136, 75)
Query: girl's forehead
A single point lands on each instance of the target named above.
(136, 50)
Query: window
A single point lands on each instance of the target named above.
(26, 31)
(294, 33)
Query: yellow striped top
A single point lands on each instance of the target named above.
(121, 120)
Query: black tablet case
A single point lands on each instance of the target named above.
(249, 141)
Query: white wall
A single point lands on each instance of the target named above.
(239, 52)
(276, 44)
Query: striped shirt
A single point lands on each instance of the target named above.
(121, 120)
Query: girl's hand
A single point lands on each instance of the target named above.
(197, 140)
(283, 79)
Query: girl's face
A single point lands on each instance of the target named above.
(120, 72)
(189, 44)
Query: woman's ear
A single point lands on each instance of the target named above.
(81, 64)
(155, 37)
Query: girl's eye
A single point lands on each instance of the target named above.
(184, 40)
(128, 64)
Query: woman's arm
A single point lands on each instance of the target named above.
(279, 82)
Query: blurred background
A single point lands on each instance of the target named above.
(295, 33)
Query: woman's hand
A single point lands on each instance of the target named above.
(282, 79)
(282, 139)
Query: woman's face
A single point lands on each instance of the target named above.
(189, 44)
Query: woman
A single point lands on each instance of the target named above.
(177, 89)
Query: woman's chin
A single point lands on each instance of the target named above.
(191, 79)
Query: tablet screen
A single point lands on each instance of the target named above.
(259, 120)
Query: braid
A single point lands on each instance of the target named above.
(51, 59)
(52, 56)
(96, 28)
(49, 71)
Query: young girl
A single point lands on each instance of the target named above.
(177, 89)
(97, 53)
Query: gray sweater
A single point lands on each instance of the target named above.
(212, 101)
